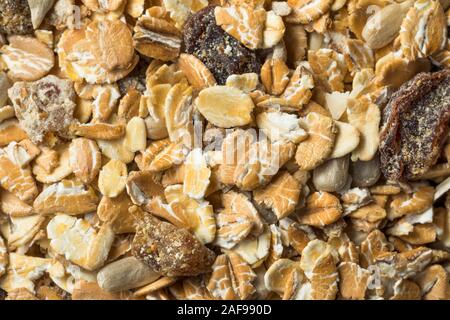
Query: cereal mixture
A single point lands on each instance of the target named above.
(224, 149)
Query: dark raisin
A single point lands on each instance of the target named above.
(15, 17)
(221, 53)
(415, 126)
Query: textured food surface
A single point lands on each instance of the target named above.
(224, 150)
(221, 53)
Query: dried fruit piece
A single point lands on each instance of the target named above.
(281, 196)
(319, 144)
(424, 30)
(169, 250)
(43, 107)
(322, 209)
(85, 159)
(27, 58)
(243, 23)
(232, 278)
(204, 39)
(79, 242)
(68, 196)
(225, 107)
(415, 125)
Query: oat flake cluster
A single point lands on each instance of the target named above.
(224, 149)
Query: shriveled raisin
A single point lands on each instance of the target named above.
(221, 53)
(415, 125)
